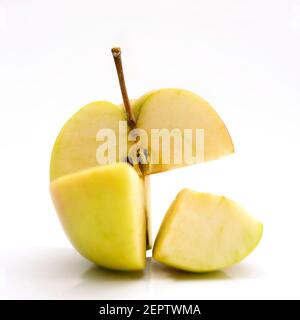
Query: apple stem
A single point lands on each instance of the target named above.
(116, 52)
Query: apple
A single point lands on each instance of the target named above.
(76, 145)
(104, 207)
(203, 232)
(102, 212)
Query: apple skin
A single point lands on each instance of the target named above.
(203, 232)
(102, 212)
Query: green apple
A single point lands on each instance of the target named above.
(102, 212)
(105, 209)
(203, 232)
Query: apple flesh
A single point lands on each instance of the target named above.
(204, 232)
(76, 145)
(181, 109)
(102, 212)
(147, 208)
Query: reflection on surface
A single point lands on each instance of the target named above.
(95, 273)
(62, 273)
(178, 275)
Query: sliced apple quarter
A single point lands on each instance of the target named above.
(178, 109)
(203, 232)
(102, 212)
(76, 145)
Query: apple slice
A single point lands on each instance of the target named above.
(102, 212)
(181, 109)
(204, 232)
(76, 145)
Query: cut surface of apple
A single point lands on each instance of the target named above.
(204, 232)
(102, 212)
(76, 145)
(181, 109)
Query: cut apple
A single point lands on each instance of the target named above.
(102, 212)
(181, 109)
(204, 232)
(104, 207)
(76, 145)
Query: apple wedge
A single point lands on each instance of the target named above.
(102, 212)
(76, 145)
(181, 109)
(203, 232)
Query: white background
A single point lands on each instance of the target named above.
(242, 56)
